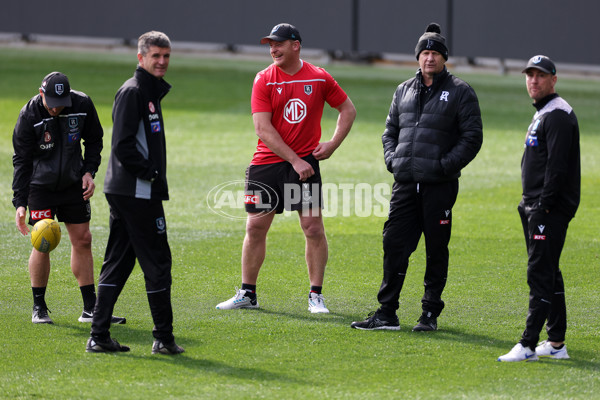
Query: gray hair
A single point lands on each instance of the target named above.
(152, 38)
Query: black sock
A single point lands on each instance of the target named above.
(559, 347)
(39, 296)
(88, 293)
(316, 289)
(250, 290)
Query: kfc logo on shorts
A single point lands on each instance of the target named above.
(151, 107)
(40, 214)
(539, 237)
(251, 199)
(294, 111)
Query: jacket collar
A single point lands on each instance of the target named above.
(157, 86)
(436, 78)
(540, 104)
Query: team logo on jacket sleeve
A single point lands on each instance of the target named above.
(155, 126)
(531, 140)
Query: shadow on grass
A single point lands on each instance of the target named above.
(188, 360)
(128, 336)
(578, 359)
(479, 342)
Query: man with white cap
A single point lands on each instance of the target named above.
(551, 180)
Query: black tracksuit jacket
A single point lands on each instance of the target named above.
(47, 150)
(550, 167)
(137, 166)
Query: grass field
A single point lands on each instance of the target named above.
(282, 351)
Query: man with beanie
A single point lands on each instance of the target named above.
(135, 187)
(433, 130)
(551, 180)
(54, 178)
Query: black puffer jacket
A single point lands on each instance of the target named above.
(432, 133)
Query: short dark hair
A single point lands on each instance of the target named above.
(152, 38)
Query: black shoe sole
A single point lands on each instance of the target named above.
(379, 328)
(424, 328)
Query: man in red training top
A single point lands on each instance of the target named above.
(288, 98)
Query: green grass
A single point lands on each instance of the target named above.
(281, 350)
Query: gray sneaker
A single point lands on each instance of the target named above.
(40, 315)
(158, 347)
(108, 346)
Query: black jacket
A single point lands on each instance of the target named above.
(47, 150)
(137, 166)
(550, 167)
(432, 133)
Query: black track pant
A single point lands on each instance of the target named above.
(417, 209)
(137, 230)
(545, 236)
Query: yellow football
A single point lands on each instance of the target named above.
(45, 235)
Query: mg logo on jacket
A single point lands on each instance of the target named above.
(294, 111)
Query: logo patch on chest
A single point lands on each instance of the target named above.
(294, 111)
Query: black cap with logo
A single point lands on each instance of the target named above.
(281, 32)
(57, 90)
(542, 63)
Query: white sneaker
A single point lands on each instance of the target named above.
(316, 303)
(545, 349)
(240, 300)
(519, 353)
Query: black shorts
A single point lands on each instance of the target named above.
(73, 213)
(278, 187)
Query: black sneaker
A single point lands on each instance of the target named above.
(88, 316)
(40, 315)
(109, 346)
(158, 347)
(426, 323)
(377, 320)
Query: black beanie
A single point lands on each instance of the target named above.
(432, 40)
